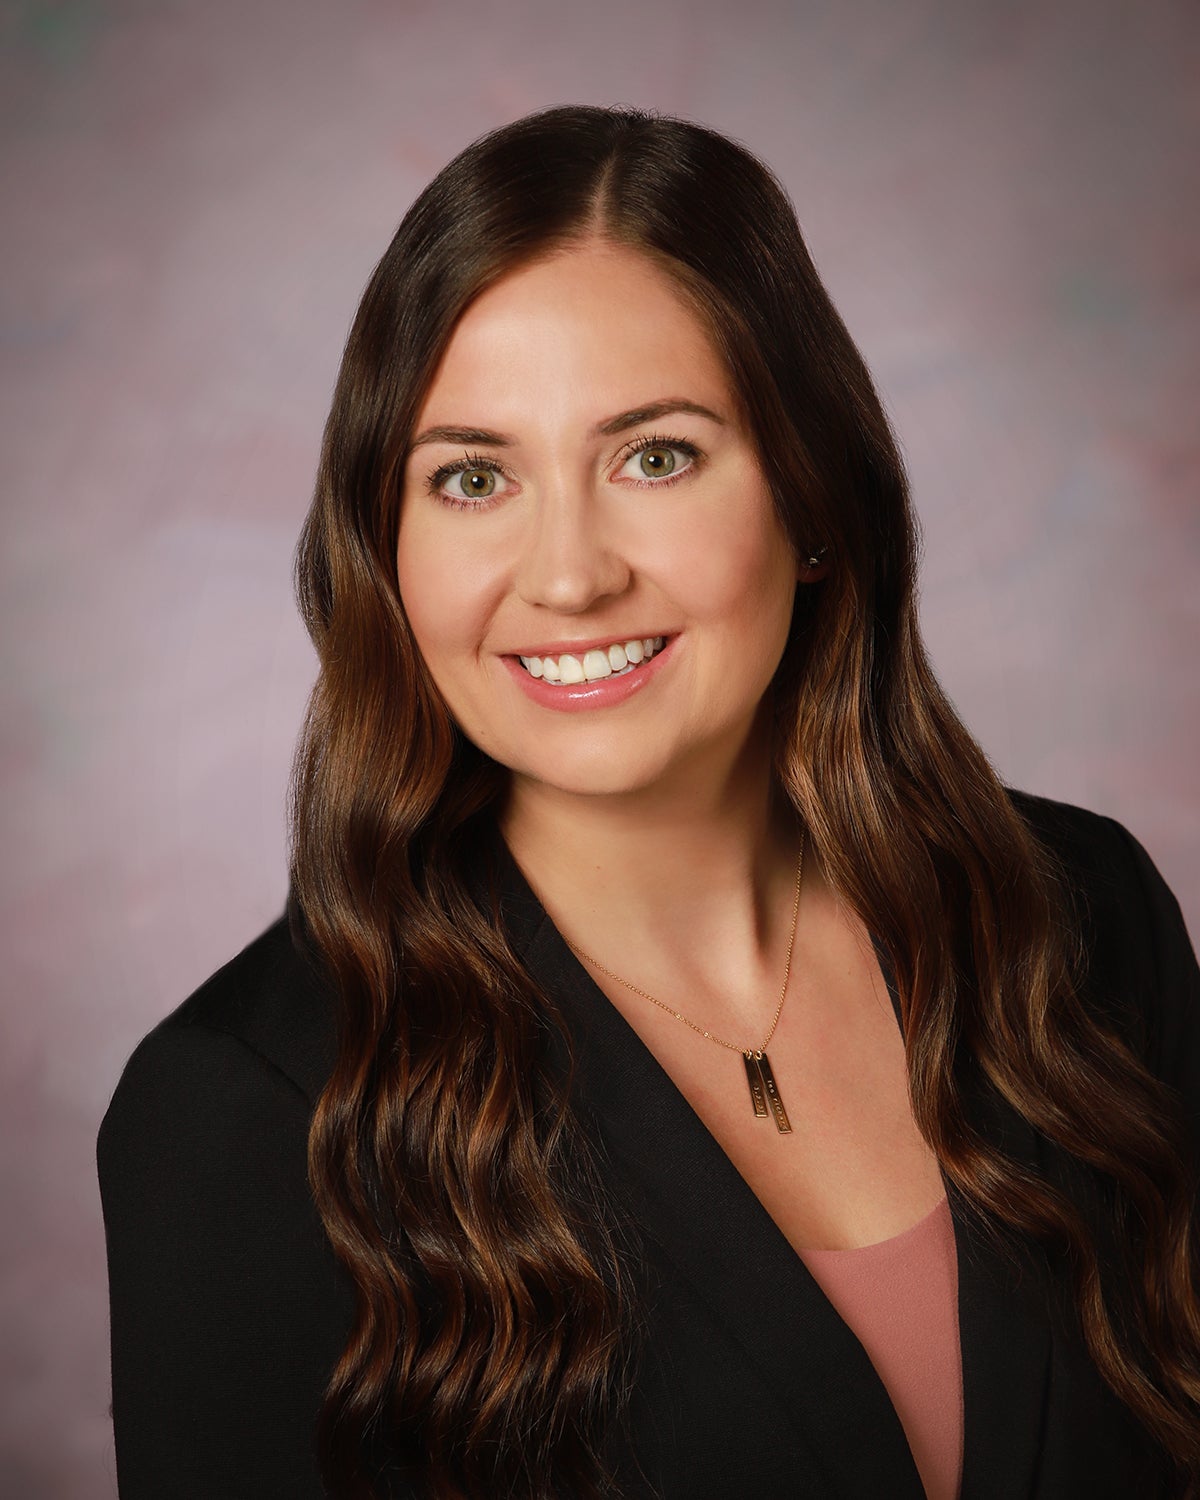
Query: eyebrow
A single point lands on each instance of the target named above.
(622, 422)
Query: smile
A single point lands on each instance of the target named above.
(617, 660)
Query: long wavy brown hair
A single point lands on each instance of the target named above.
(495, 1333)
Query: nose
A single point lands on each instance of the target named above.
(568, 561)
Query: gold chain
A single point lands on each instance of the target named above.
(679, 1016)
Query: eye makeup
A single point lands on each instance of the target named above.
(470, 463)
(648, 444)
(482, 464)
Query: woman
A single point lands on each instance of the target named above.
(684, 1064)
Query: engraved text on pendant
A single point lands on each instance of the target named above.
(764, 1091)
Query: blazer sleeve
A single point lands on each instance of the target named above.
(1173, 1018)
(227, 1309)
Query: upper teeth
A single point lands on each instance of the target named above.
(591, 666)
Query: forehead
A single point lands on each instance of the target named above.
(596, 326)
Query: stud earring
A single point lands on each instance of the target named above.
(814, 558)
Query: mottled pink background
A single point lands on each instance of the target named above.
(1003, 200)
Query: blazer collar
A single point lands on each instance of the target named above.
(1004, 1331)
(703, 1217)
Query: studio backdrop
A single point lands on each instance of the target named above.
(1001, 199)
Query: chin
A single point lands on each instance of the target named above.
(598, 776)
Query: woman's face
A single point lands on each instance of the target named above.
(589, 556)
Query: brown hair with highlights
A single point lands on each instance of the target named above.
(495, 1331)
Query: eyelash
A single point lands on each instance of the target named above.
(655, 441)
(469, 461)
(435, 480)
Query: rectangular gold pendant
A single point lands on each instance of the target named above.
(754, 1079)
(771, 1089)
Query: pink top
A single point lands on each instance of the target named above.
(900, 1299)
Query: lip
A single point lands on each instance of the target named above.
(579, 696)
(597, 643)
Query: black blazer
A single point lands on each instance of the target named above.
(228, 1309)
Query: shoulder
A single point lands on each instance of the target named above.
(270, 1001)
(1092, 849)
(272, 998)
(1140, 965)
(1115, 884)
(227, 1306)
(248, 1051)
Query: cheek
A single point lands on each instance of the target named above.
(733, 562)
(440, 594)
(428, 590)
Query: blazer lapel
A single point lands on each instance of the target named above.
(1005, 1339)
(1004, 1328)
(690, 1199)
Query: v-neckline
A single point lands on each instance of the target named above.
(680, 1180)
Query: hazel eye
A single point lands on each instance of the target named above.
(467, 482)
(655, 461)
(475, 484)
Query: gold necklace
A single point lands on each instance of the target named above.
(764, 1091)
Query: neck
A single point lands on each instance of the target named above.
(693, 881)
